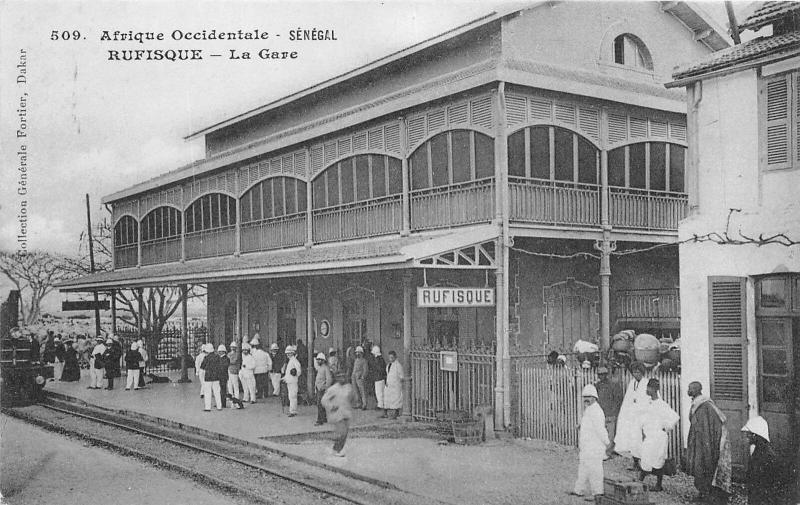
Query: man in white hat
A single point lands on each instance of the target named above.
(235, 358)
(198, 370)
(593, 445)
(247, 374)
(291, 375)
(359, 377)
(263, 365)
(323, 381)
(214, 370)
(96, 365)
(278, 359)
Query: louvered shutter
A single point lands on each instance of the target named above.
(796, 107)
(776, 107)
(728, 346)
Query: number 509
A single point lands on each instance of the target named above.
(65, 35)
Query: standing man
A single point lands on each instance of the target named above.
(377, 374)
(235, 363)
(263, 366)
(199, 371)
(359, 377)
(609, 396)
(276, 369)
(213, 371)
(657, 420)
(142, 364)
(708, 451)
(247, 374)
(763, 471)
(628, 436)
(96, 365)
(111, 359)
(323, 381)
(593, 446)
(393, 394)
(132, 359)
(291, 376)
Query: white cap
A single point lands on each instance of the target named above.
(376, 351)
(255, 341)
(208, 347)
(758, 425)
(321, 356)
(589, 390)
(331, 349)
(273, 347)
(221, 347)
(290, 349)
(234, 344)
(245, 346)
(359, 349)
(134, 346)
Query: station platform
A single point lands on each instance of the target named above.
(392, 453)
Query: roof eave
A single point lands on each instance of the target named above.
(731, 69)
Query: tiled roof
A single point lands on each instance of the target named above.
(779, 44)
(321, 257)
(768, 13)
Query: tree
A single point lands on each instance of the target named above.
(34, 274)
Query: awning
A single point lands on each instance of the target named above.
(325, 259)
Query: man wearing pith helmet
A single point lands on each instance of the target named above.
(593, 445)
(291, 376)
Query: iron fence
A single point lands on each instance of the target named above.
(167, 355)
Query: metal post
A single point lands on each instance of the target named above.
(114, 310)
(237, 322)
(406, 203)
(406, 414)
(184, 335)
(309, 342)
(139, 321)
(606, 246)
(91, 265)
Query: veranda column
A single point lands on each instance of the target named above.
(309, 202)
(184, 335)
(406, 203)
(140, 298)
(237, 323)
(310, 342)
(113, 311)
(406, 414)
(606, 246)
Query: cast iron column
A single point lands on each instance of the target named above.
(406, 202)
(606, 246)
(310, 342)
(184, 335)
(406, 414)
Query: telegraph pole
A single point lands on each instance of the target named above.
(91, 266)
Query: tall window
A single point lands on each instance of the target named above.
(273, 197)
(125, 231)
(629, 50)
(161, 223)
(451, 157)
(779, 118)
(552, 153)
(357, 179)
(657, 166)
(210, 212)
(287, 319)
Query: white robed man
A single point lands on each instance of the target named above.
(628, 439)
(291, 375)
(247, 374)
(657, 420)
(393, 393)
(593, 446)
(198, 371)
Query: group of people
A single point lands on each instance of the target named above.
(62, 355)
(637, 423)
(105, 363)
(372, 377)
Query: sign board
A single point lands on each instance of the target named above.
(455, 297)
(84, 305)
(448, 361)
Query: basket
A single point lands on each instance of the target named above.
(467, 431)
(444, 419)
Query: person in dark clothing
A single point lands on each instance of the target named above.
(72, 369)
(58, 358)
(610, 393)
(132, 359)
(49, 349)
(278, 360)
(762, 479)
(377, 376)
(111, 360)
(224, 364)
(216, 371)
(34, 349)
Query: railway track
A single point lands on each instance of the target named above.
(254, 474)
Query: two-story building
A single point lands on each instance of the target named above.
(740, 250)
(524, 153)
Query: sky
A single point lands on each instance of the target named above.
(97, 126)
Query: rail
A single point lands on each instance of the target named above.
(210, 243)
(457, 204)
(126, 256)
(275, 233)
(368, 218)
(554, 202)
(162, 250)
(646, 209)
(650, 304)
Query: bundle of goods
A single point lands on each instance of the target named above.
(586, 352)
(646, 349)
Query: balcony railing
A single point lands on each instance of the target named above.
(276, 233)
(446, 206)
(646, 209)
(648, 304)
(126, 256)
(554, 202)
(163, 250)
(379, 216)
(209, 243)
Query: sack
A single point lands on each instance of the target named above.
(670, 468)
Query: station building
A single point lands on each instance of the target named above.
(532, 152)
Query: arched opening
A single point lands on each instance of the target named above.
(210, 226)
(126, 236)
(552, 153)
(161, 236)
(629, 50)
(273, 214)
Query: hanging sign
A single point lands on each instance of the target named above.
(455, 297)
(84, 305)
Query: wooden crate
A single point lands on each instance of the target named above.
(627, 492)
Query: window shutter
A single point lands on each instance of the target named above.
(776, 109)
(796, 107)
(728, 346)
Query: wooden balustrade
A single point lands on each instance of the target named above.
(209, 243)
(355, 220)
(276, 233)
(646, 209)
(126, 256)
(554, 202)
(649, 304)
(445, 206)
(163, 250)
